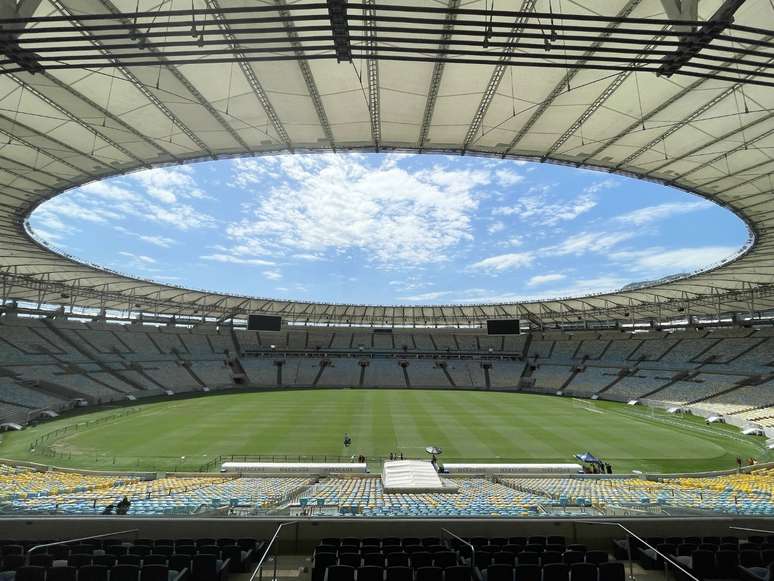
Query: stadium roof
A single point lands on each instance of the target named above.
(674, 92)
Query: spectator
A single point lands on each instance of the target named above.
(123, 506)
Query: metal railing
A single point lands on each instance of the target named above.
(752, 530)
(81, 539)
(667, 559)
(258, 571)
(464, 542)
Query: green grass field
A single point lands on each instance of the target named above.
(185, 434)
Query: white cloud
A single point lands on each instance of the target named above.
(109, 191)
(156, 240)
(150, 195)
(544, 278)
(605, 184)
(513, 241)
(661, 212)
(504, 262)
(507, 177)
(588, 242)
(585, 286)
(183, 217)
(661, 262)
(409, 284)
(336, 203)
(168, 184)
(162, 241)
(250, 171)
(135, 261)
(575, 289)
(48, 225)
(227, 258)
(495, 227)
(428, 296)
(272, 274)
(69, 208)
(309, 257)
(139, 257)
(537, 208)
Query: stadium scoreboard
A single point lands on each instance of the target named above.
(502, 327)
(263, 323)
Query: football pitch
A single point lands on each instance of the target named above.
(292, 425)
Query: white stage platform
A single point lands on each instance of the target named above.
(513, 468)
(413, 476)
(292, 468)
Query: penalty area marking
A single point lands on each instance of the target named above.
(583, 404)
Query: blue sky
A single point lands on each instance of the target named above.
(388, 228)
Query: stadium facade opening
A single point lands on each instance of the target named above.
(389, 228)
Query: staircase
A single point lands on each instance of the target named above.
(681, 376)
(621, 374)
(192, 373)
(51, 389)
(747, 381)
(91, 356)
(442, 365)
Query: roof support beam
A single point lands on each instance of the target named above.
(747, 143)
(306, 72)
(23, 177)
(108, 115)
(641, 122)
(681, 9)
(77, 120)
(435, 78)
(740, 173)
(13, 138)
(595, 105)
(690, 47)
(252, 79)
(36, 170)
(175, 72)
(58, 144)
(23, 57)
(695, 114)
(497, 76)
(564, 84)
(372, 70)
(136, 83)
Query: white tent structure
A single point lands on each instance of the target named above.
(673, 92)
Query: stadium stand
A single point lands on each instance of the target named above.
(746, 494)
(550, 377)
(506, 374)
(476, 497)
(383, 373)
(49, 363)
(425, 373)
(24, 490)
(591, 380)
(165, 496)
(342, 373)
